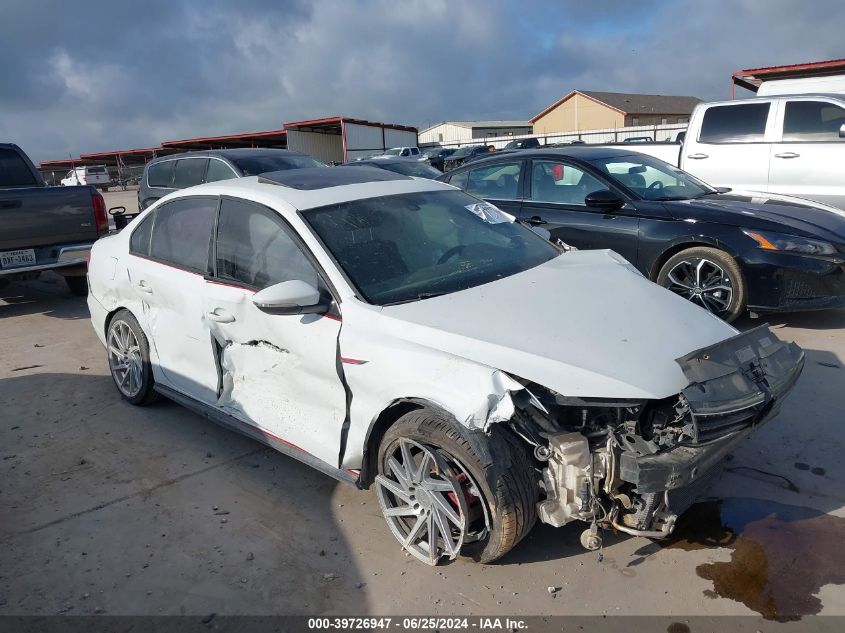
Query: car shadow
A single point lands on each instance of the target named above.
(813, 320)
(47, 295)
(119, 502)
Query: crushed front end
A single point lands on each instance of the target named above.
(635, 465)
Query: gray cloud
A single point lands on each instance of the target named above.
(119, 75)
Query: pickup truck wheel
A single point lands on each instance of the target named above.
(129, 359)
(444, 494)
(709, 278)
(78, 285)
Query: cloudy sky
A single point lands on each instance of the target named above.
(95, 76)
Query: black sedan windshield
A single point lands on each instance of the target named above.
(465, 151)
(413, 246)
(652, 179)
(254, 165)
(411, 168)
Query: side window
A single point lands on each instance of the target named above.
(14, 171)
(139, 241)
(553, 181)
(218, 170)
(812, 121)
(254, 247)
(189, 172)
(161, 174)
(459, 180)
(182, 232)
(500, 181)
(734, 123)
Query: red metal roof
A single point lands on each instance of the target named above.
(270, 138)
(751, 78)
(279, 136)
(335, 121)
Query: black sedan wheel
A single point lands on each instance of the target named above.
(708, 277)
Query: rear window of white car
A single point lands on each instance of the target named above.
(181, 233)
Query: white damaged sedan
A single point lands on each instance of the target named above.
(397, 332)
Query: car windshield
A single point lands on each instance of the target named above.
(254, 165)
(651, 178)
(392, 152)
(412, 168)
(413, 246)
(465, 151)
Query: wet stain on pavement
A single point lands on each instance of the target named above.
(781, 555)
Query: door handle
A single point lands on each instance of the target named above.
(697, 156)
(219, 315)
(142, 286)
(535, 220)
(787, 155)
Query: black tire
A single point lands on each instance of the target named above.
(499, 465)
(731, 276)
(146, 394)
(78, 285)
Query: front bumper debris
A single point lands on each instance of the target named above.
(735, 386)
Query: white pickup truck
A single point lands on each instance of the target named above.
(782, 144)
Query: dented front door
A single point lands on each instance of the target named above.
(276, 372)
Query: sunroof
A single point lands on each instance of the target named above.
(322, 177)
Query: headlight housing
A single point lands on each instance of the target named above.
(790, 243)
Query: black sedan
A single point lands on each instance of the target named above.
(726, 251)
(436, 156)
(464, 155)
(404, 166)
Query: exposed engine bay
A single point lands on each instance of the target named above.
(635, 465)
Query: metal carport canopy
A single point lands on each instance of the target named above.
(339, 138)
(270, 139)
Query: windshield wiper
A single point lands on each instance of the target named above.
(419, 297)
(668, 198)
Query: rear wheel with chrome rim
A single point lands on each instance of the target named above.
(443, 493)
(707, 277)
(129, 359)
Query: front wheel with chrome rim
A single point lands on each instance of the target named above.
(129, 359)
(447, 491)
(708, 277)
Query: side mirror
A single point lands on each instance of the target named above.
(604, 200)
(290, 297)
(842, 131)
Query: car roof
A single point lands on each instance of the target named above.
(399, 160)
(309, 179)
(300, 189)
(577, 152)
(231, 154)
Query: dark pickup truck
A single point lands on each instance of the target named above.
(45, 228)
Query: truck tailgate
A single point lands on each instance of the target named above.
(41, 216)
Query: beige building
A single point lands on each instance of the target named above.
(590, 110)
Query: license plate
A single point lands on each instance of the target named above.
(17, 258)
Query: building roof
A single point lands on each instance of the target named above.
(475, 124)
(631, 103)
(751, 78)
(333, 123)
(270, 139)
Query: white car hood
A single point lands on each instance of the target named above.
(584, 324)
